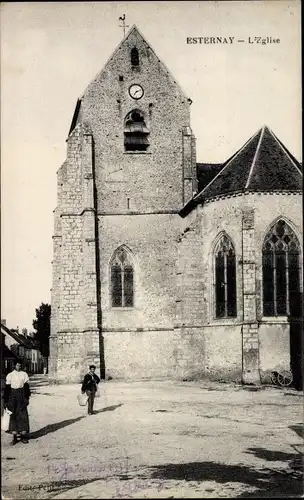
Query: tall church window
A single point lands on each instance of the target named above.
(122, 279)
(136, 132)
(134, 57)
(281, 271)
(225, 278)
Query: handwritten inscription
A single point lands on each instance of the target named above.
(115, 473)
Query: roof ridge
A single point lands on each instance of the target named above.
(284, 149)
(255, 157)
(109, 59)
(6, 328)
(133, 27)
(14, 335)
(228, 163)
(19, 337)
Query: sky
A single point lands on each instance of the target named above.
(51, 51)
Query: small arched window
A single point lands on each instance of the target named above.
(136, 132)
(225, 278)
(122, 279)
(134, 57)
(281, 271)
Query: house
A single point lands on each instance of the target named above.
(22, 348)
(8, 358)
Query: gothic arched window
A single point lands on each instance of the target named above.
(122, 279)
(225, 278)
(281, 271)
(136, 132)
(134, 57)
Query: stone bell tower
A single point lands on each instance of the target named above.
(130, 167)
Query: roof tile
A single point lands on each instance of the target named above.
(262, 164)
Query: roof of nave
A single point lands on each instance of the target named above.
(263, 164)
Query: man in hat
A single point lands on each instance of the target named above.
(89, 386)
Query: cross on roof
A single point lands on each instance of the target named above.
(124, 25)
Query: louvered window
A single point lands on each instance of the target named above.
(122, 279)
(281, 272)
(136, 132)
(225, 279)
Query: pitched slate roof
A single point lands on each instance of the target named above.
(263, 164)
(20, 339)
(27, 342)
(205, 172)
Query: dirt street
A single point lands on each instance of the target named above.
(159, 439)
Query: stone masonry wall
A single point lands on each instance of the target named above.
(74, 302)
(152, 241)
(224, 342)
(190, 300)
(55, 292)
(250, 335)
(181, 353)
(274, 346)
(140, 182)
(199, 345)
(130, 184)
(108, 197)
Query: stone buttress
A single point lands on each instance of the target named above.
(74, 341)
(250, 332)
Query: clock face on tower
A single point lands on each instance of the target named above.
(136, 91)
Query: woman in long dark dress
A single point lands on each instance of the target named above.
(16, 399)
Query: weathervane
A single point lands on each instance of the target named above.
(124, 26)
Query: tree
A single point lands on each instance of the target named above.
(42, 325)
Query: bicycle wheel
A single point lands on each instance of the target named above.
(285, 378)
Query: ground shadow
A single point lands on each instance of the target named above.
(267, 482)
(53, 427)
(108, 408)
(298, 429)
(270, 455)
(42, 393)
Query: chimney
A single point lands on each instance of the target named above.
(3, 321)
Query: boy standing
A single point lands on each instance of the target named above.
(89, 386)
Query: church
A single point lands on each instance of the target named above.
(165, 267)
